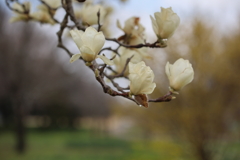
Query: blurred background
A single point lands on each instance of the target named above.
(53, 110)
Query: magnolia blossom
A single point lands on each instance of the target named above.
(141, 79)
(44, 15)
(134, 31)
(88, 13)
(89, 43)
(20, 8)
(165, 23)
(179, 74)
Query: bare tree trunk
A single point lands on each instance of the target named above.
(20, 128)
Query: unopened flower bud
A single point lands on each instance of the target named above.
(141, 79)
(179, 74)
(165, 23)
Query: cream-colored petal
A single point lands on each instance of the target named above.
(98, 42)
(18, 7)
(149, 89)
(154, 25)
(168, 29)
(75, 57)
(182, 80)
(88, 36)
(159, 22)
(167, 70)
(105, 60)
(179, 74)
(76, 35)
(178, 67)
(87, 53)
(119, 25)
(141, 78)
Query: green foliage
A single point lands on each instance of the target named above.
(87, 145)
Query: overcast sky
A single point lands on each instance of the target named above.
(223, 13)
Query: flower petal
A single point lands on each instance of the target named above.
(98, 42)
(76, 35)
(88, 37)
(75, 57)
(154, 25)
(119, 25)
(105, 60)
(87, 54)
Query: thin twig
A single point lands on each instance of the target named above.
(166, 98)
(150, 45)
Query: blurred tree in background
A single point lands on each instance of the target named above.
(34, 81)
(206, 113)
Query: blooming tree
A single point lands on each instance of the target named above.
(88, 29)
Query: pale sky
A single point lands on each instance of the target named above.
(225, 14)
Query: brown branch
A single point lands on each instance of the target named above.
(110, 49)
(63, 25)
(99, 25)
(69, 9)
(166, 98)
(110, 68)
(124, 69)
(153, 45)
(107, 89)
(116, 85)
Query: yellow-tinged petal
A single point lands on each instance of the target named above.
(105, 60)
(179, 74)
(89, 42)
(76, 35)
(87, 53)
(154, 25)
(119, 25)
(98, 42)
(141, 79)
(167, 21)
(75, 57)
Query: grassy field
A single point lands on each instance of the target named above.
(89, 145)
(86, 145)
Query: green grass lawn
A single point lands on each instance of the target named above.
(86, 145)
(89, 145)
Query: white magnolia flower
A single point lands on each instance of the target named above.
(133, 29)
(43, 15)
(20, 8)
(88, 13)
(179, 74)
(141, 79)
(165, 23)
(89, 43)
